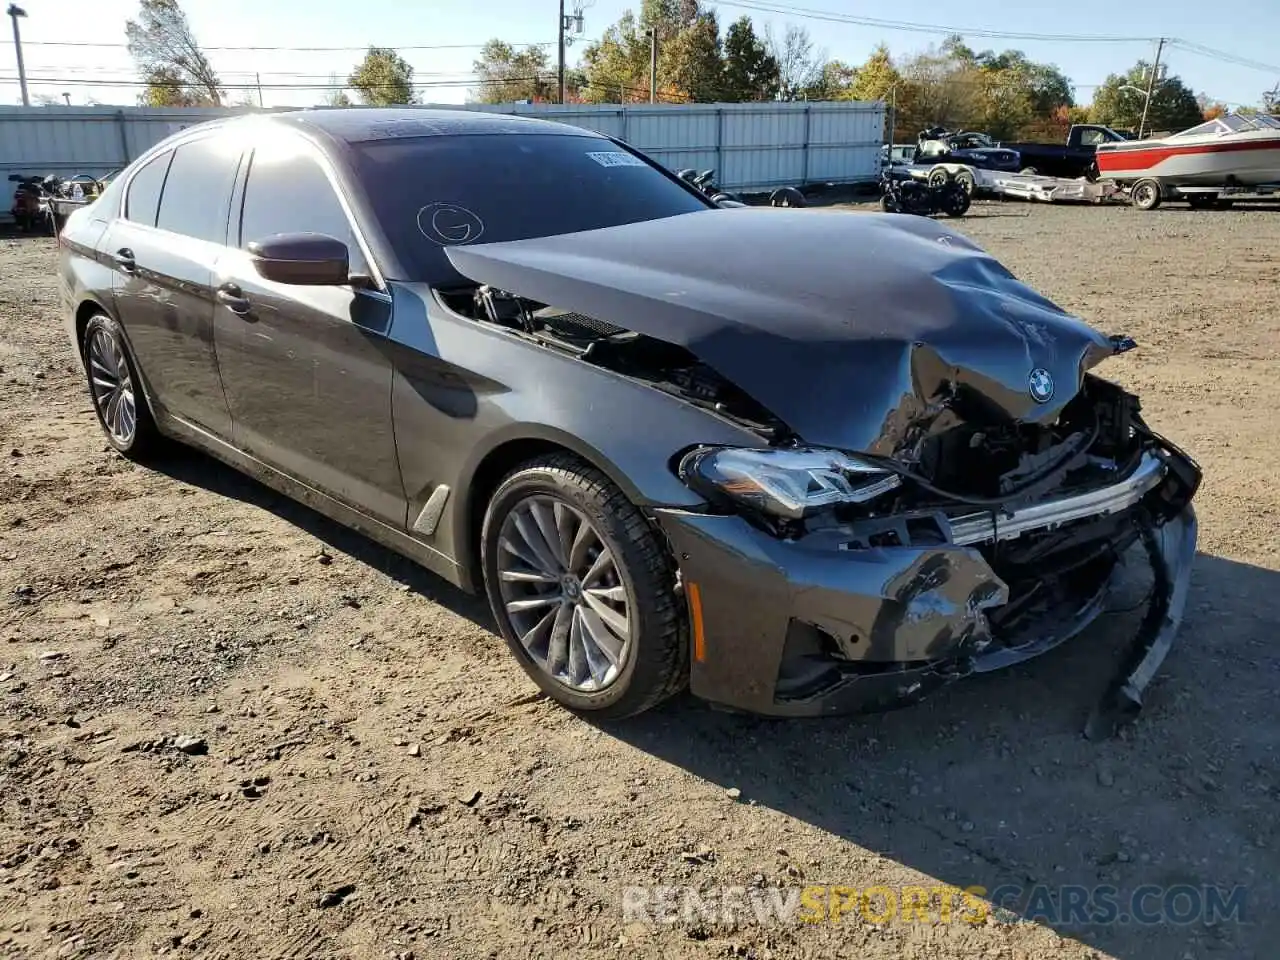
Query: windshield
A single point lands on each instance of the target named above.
(432, 192)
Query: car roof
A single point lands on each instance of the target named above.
(358, 125)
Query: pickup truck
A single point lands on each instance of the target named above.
(1074, 159)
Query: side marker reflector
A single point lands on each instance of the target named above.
(695, 617)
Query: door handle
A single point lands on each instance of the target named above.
(231, 296)
(124, 260)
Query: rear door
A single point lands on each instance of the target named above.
(306, 368)
(164, 247)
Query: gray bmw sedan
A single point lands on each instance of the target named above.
(801, 461)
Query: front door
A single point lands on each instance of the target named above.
(305, 368)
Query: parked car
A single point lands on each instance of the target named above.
(1076, 158)
(803, 461)
(970, 148)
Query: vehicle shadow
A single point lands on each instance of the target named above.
(991, 783)
(201, 470)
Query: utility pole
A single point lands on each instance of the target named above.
(1151, 83)
(66, 98)
(257, 79)
(653, 64)
(15, 12)
(560, 34)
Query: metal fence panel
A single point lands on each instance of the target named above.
(753, 146)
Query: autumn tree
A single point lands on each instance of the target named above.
(877, 78)
(1118, 102)
(383, 78)
(834, 81)
(508, 74)
(690, 61)
(174, 68)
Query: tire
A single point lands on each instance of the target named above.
(106, 356)
(1029, 172)
(957, 204)
(964, 179)
(787, 197)
(887, 205)
(1145, 194)
(939, 176)
(1201, 201)
(651, 663)
(1223, 204)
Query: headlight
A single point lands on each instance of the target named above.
(785, 483)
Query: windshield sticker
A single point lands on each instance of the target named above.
(616, 158)
(449, 224)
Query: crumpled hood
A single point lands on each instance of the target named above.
(853, 329)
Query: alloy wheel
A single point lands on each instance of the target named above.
(563, 593)
(112, 387)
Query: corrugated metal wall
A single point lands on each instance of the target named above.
(753, 146)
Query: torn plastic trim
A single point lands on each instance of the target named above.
(985, 527)
(1171, 549)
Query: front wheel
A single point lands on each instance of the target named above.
(116, 390)
(582, 589)
(888, 204)
(956, 203)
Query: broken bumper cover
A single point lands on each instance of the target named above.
(818, 625)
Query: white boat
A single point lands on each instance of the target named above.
(1232, 150)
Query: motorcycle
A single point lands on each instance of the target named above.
(902, 193)
(30, 208)
(705, 182)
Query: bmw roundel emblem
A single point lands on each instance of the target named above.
(1040, 384)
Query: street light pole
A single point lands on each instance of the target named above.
(15, 12)
(1151, 83)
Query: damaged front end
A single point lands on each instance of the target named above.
(938, 485)
(991, 545)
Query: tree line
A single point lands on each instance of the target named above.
(1003, 93)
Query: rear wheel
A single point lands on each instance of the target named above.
(965, 181)
(1146, 194)
(582, 589)
(116, 390)
(939, 176)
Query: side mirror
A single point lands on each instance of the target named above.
(307, 259)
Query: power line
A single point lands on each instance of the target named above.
(910, 27)
(438, 46)
(1201, 50)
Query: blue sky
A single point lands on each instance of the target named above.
(1243, 28)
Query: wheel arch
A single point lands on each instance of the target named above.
(477, 485)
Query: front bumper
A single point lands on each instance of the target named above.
(831, 624)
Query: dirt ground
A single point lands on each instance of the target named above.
(380, 780)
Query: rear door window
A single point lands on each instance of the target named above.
(197, 191)
(144, 190)
(288, 192)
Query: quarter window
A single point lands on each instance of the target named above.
(144, 190)
(198, 189)
(288, 192)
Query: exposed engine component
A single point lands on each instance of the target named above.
(663, 365)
